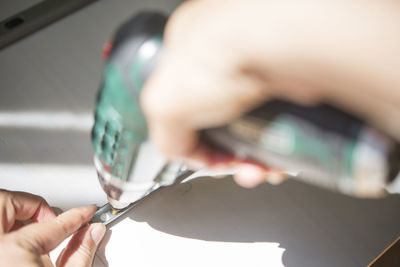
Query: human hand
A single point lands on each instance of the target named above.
(223, 58)
(29, 245)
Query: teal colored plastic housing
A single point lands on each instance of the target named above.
(120, 126)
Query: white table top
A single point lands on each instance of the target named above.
(48, 83)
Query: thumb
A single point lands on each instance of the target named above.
(43, 237)
(82, 247)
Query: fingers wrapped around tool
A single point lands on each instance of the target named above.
(82, 247)
(16, 207)
(45, 236)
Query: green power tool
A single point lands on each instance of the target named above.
(322, 144)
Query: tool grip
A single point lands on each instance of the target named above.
(285, 123)
(324, 145)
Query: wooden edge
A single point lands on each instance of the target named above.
(383, 252)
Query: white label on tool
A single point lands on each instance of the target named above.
(278, 138)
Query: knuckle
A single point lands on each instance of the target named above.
(7, 206)
(36, 197)
(34, 245)
(82, 217)
(69, 221)
(62, 224)
(156, 108)
(41, 200)
(85, 251)
(5, 194)
(3, 191)
(183, 19)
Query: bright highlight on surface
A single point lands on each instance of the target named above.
(148, 49)
(50, 120)
(63, 186)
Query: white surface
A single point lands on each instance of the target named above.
(153, 248)
(62, 186)
(50, 120)
(204, 222)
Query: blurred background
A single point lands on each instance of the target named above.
(48, 85)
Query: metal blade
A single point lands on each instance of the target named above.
(107, 214)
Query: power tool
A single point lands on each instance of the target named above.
(322, 144)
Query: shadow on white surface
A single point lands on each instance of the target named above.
(216, 221)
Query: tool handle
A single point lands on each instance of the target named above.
(323, 144)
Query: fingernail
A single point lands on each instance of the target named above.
(89, 209)
(249, 175)
(97, 232)
(275, 178)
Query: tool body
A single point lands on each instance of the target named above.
(324, 145)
